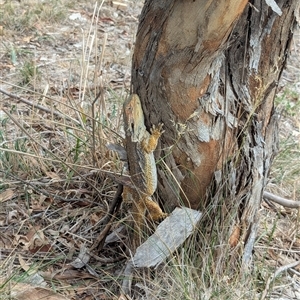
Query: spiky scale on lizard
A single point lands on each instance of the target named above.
(140, 145)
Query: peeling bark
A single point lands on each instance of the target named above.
(208, 70)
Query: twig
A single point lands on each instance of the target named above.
(115, 205)
(127, 280)
(277, 272)
(38, 106)
(34, 186)
(56, 113)
(282, 201)
(16, 122)
(94, 128)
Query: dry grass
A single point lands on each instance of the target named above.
(56, 59)
(58, 56)
(279, 240)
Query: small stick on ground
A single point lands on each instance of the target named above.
(115, 205)
(38, 106)
(282, 201)
(277, 272)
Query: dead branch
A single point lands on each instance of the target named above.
(38, 106)
(282, 201)
(115, 205)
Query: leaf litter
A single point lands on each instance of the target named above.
(54, 199)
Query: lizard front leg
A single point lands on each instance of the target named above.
(149, 144)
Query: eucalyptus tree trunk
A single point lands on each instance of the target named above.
(209, 70)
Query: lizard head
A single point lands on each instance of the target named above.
(134, 118)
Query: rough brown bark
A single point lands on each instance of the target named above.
(208, 70)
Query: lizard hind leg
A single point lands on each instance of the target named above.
(154, 212)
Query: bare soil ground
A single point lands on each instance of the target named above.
(55, 59)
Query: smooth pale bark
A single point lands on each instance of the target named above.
(209, 70)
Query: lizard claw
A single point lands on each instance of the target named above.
(157, 130)
(163, 216)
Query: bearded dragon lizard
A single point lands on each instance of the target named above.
(140, 145)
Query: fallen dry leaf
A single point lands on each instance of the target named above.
(12, 217)
(82, 259)
(7, 195)
(21, 291)
(23, 264)
(54, 176)
(34, 241)
(235, 236)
